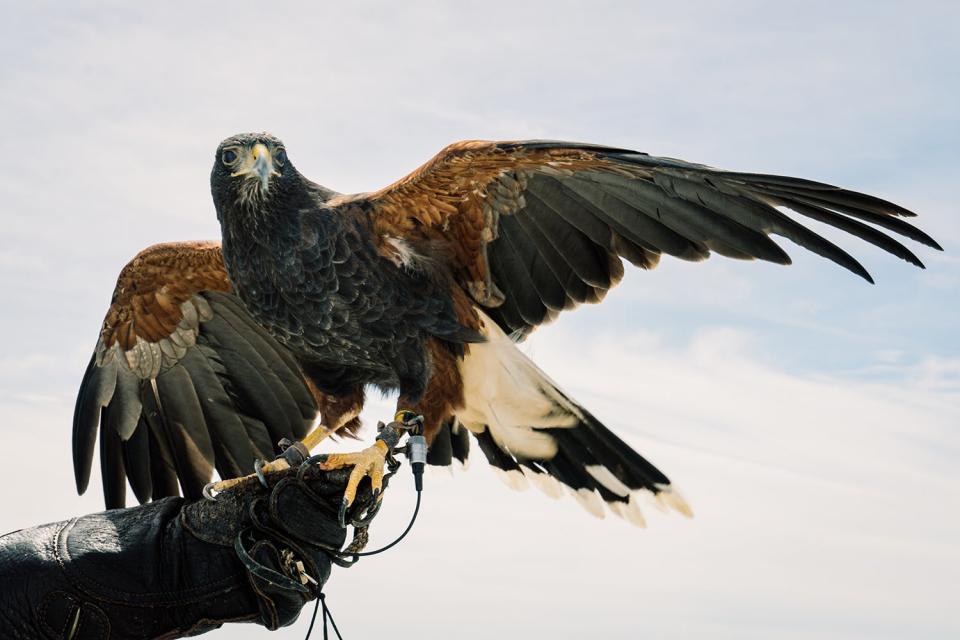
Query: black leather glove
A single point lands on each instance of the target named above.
(171, 569)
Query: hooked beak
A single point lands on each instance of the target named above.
(259, 165)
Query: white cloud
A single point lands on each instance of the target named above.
(821, 476)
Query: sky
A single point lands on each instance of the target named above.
(812, 420)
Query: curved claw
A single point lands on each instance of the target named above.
(209, 493)
(369, 462)
(258, 471)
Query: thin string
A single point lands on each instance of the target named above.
(327, 616)
(313, 618)
(417, 468)
(403, 535)
(321, 597)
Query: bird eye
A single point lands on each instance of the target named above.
(280, 157)
(229, 156)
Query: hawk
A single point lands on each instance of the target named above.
(425, 287)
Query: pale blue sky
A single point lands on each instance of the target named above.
(809, 417)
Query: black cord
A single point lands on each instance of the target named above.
(313, 618)
(329, 616)
(403, 535)
(321, 597)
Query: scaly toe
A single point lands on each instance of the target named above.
(369, 462)
(213, 489)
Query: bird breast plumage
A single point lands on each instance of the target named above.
(331, 298)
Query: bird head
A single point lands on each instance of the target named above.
(249, 169)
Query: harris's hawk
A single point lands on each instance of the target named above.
(425, 286)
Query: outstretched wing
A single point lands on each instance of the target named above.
(183, 381)
(534, 228)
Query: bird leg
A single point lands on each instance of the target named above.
(336, 413)
(300, 450)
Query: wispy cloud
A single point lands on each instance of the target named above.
(809, 417)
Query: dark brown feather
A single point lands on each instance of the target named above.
(591, 205)
(183, 380)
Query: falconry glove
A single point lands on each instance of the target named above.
(172, 568)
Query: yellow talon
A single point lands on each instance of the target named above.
(367, 463)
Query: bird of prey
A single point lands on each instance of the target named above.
(425, 287)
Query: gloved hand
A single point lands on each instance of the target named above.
(170, 568)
